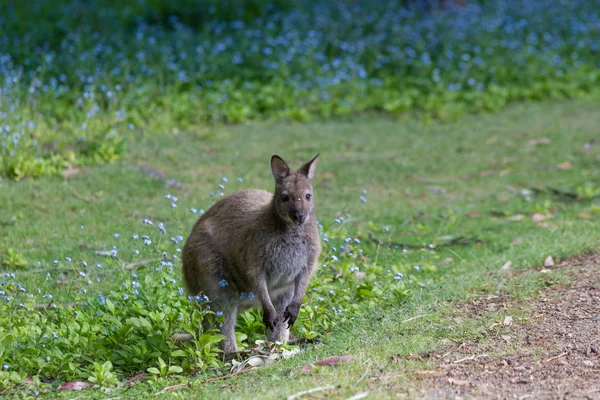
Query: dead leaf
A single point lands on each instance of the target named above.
(326, 362)
(506, 266)
(457, 382)
(546, 225)
(507, 321)
(70, 171)
(447, 260)
(518, 240)
(473, 214)
(563, 166)
(136, 378)
(506, 338)
(78, 385)
(537, 217)
(516, 217)
(549, 262)
(584, 215)
(487, 172)
(328, 175)
(504, 172)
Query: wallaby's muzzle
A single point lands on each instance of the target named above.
(300, 217)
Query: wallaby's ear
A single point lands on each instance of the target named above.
(308, 169)
(280, 168)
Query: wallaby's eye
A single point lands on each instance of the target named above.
(285, 197)
(308, 196)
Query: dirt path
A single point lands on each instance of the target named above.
(555, 354)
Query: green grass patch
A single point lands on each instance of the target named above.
(77, 77)
(520, 185)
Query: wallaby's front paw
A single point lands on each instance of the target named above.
(291, 313)
(269, 318)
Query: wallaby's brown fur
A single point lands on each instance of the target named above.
(254, 248)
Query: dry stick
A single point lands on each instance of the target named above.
(469, 358)
(358, 396)
(556, 357)
(459, 241)
(172, 388)
(136, 264)
(415, 317)
(317, 389)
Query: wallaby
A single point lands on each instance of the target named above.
(254, 248)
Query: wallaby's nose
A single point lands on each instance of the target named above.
(300, 217)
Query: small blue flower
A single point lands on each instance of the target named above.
(417, 268)
(219, 313)
(84, 263)
(68, 259)
(82, 274)
(125, 296)
(347, 240)
(398, 276)
(173, 205)
(240, 180)
(224, 179)
(250, 296)
(242, 295)
(116, 235)
(135, 236)
(5, 366)
(180, 290)
(55, 262)
(334, 258)
(363, 199)
(223, 283)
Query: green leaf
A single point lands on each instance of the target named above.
(153, 370)
(110, 306)
(175, 369)
(178, 353)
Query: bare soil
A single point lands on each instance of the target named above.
(553, 353)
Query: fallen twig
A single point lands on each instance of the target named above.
(459, 241)
(473, 357)
(556, 357)
(316, 389)
(136, 264)
(415, 317)
(358, 396)
(172, 388)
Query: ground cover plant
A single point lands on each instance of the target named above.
(91, 288)
(77, 77)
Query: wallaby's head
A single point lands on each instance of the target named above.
(294, 201)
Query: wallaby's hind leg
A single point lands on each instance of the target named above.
(281, 333)
(229, 345)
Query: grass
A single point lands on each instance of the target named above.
(78, 76)
(474, 177)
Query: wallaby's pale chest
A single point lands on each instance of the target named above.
(285, 258)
